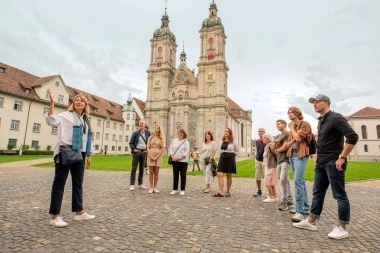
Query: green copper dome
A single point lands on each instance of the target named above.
(212, 21)
(183, 54)
(163, 31)
(128, 106)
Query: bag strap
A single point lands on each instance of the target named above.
(143, 138)
(179, 147)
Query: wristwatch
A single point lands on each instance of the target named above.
(343, 157)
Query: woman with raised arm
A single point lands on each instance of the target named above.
(74, 145)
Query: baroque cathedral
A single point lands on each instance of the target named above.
(177, 98)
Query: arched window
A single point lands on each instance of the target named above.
(242, 134)
(210, 57)
(159, 64)
(365, 148)
(378, 131)
(364, 132)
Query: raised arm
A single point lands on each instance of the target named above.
(52, 102)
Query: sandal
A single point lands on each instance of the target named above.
(217, 194)
(228, 194)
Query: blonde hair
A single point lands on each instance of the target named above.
(230, 138)
(160, 134)
(86, 109)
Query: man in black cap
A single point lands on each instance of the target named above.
(330, 166)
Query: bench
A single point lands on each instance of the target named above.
(10, 152)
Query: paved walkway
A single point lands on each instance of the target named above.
(137, 222)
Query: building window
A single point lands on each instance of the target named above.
(105, 148)
(47, 95)
(54, 130)
(210, 57)
(119, 148)
(46, 110)
(34, 144)
(15, 124)
(120, 138)
(12, 142)
(99, 123)
(133, 116)
(127, 128)
(126, 138)
(364, 132)
(121, 127)
(96, 147)
(108, 124)
(18, 105)
(114, 137)
(114, 125)
(113, 148)
(97, 135)
(2, 70)
(36, 128)
(126, 149)
(365, 148)
(159, 64)
(60, 99)
(378, 131)
(133, 128)
(1, 102)
(57, 83)
(107, 137)
(128, 116)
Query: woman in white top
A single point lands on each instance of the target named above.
(179, 152)
(77, 112)
(227, 164)
(208, 151)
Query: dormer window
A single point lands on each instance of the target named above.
(95, 99)
(57, 83)
(93, 108)
(113, 106)
(2, 70)
(27, 91)
(109, 112)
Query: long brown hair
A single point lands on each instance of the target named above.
(230, 138)
(211, 136)
(296, 112)
(86, 109)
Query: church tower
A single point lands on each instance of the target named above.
(213, 112)
(160, 75)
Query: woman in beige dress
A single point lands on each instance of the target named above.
(155, 147)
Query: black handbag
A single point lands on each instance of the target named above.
(170, 160)
(70, 156)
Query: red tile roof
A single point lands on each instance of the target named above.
(14, 81)
(236, 111)
(367, 112)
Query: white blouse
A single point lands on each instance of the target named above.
(183, 150)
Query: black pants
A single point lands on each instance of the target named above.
(138, 160)
(179, 168)
(61, 172)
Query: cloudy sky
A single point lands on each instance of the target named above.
(279, 52)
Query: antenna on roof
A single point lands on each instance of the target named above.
(166, 5)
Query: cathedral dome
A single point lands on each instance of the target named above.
(212, 21)
(163, 31)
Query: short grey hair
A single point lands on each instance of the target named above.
(268, 136)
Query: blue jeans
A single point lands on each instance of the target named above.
(326, 174)
(298, 166)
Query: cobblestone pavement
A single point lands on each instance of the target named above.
(137, 222)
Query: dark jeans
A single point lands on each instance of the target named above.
(138, 159)
(61, 173)
(179, 168)
(326, 174)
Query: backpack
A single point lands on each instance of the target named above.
(312, 144)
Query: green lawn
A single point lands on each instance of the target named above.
(356, 170)
(15, 158)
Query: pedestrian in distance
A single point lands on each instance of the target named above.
(336, 139)
(74, 138)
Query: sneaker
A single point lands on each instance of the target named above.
(290, 204)
(305, 224)
(150, 190)
(173, 192)
(84, 216)
(258, 193)
(156, 190)
(283, 207)
(298, 217)
(338, 233)
(141, 186)
(58, 222)
(293, 211)
(182, 193)
(268, 200)
(132, 188)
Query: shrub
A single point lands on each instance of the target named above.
(37, 152)
(11, 146)
(25, 147)
(48, 148)
(37, 148)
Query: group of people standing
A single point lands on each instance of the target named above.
(275, 155)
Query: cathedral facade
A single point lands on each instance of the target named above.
(177, 98)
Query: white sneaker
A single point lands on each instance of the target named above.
(156, 190)
(58, 222)
(132, 188)
(182, 193)
(338, 233)
(173, 192)
(150, 190)
(84, 216)
(267, 200)
(141, 186)
(305, 224)
(298, 217)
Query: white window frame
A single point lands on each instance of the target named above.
(114, 137)
(54, 130)
(99, 123)
(36, 128)
(17, 105)
(61, 98)
(107, 137)
(15, 124)
(46, 110)
(114, 125)
(1, 101)
(126, 138)
(98, 135)
(33, 146)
